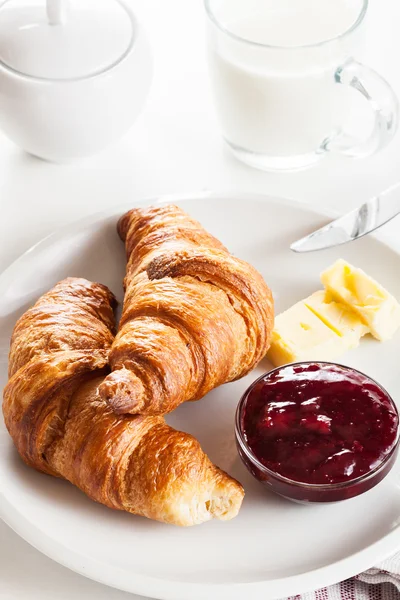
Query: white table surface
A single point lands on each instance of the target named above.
(174, 147)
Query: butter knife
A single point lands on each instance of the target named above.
(363, 220)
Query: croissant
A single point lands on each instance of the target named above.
(194, 316)
(62, 427)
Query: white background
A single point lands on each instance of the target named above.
(173, 147)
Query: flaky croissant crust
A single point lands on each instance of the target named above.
(194, 316)
(61, 426)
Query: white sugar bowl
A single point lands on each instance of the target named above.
(74, 74)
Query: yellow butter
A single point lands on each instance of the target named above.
(337, 316)
(378, 309)
(300, 334)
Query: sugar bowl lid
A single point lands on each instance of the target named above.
(64, 39)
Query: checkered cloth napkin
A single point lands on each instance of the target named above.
(380, 583)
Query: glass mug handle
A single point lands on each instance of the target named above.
(383, 102)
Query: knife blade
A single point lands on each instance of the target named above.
(354, 225)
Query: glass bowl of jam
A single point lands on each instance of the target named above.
(317, 431)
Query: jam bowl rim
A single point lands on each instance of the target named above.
(244, 446)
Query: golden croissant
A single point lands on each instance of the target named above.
(194, 316)
(61, 426)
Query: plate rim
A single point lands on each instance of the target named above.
(177, 590)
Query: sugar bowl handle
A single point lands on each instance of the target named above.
(57, 11)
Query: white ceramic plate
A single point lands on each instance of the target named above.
(274, 548)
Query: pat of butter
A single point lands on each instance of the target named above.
(300, 334)
(338, 317)
(378, 309)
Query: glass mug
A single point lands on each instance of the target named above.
(285, 81)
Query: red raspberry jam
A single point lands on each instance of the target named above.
(318, 424)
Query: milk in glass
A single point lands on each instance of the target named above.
(277, 95)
